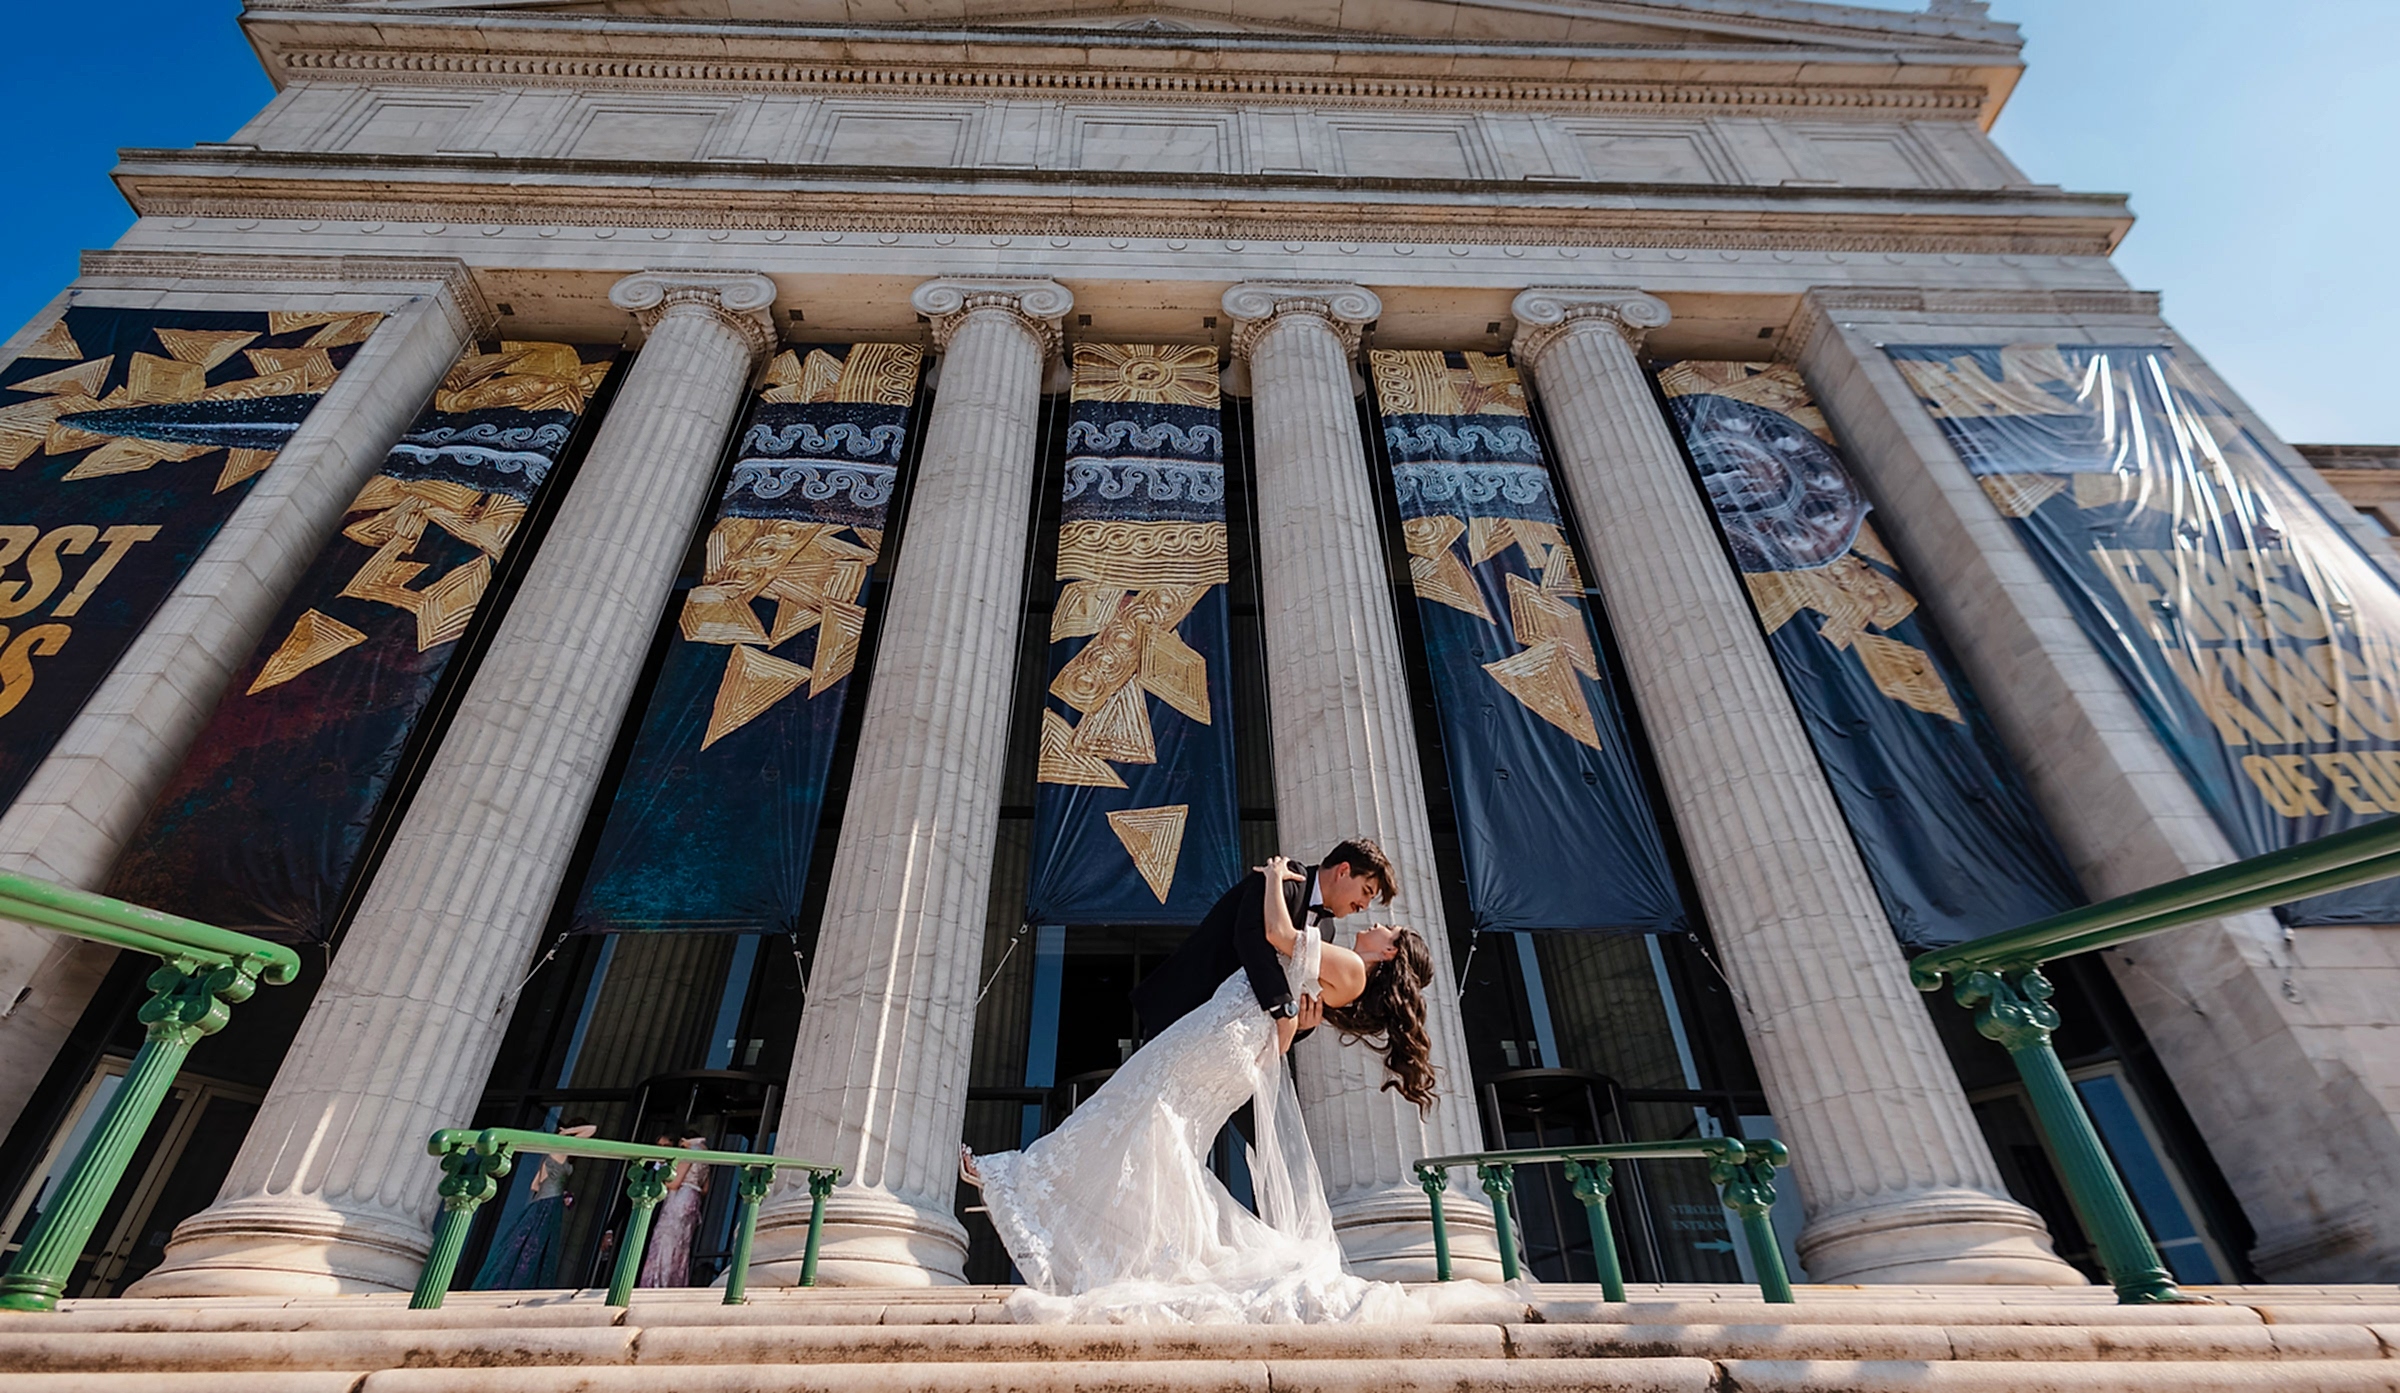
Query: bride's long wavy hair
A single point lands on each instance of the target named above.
(1390, 1014)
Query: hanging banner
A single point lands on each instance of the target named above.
(714, 820)
(1135, 819)
(1553, 821)
(264, 826)
(2261, 643)
(1949, 834)
(128, 437)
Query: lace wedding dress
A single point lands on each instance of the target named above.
(1115, 1217)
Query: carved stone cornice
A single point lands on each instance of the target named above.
(1255, 306)
(1547, 314)
(455, 284)
(742, 299)
(1037, 305)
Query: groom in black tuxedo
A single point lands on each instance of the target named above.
(1233, 937)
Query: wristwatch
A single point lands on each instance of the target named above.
(1286, 1010)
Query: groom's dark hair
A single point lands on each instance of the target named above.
(1363, 857)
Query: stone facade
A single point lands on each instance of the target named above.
(1736, 179)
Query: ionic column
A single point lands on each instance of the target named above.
(1346, 757)
(879, 1081)
(74, 816)
(333, 1191)
(1897, 1181)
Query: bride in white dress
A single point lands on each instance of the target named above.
(1115, 1216)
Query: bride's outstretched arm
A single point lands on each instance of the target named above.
(1277, 915)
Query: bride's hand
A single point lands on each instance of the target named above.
(1279, 868)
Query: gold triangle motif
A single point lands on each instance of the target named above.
(82, 380)
(1063, 764)
(2019, 494)
(712, 616)
(1083, 607)
(754, 681)
(444, 607)
(1175, 673)
(55, 342)
(1906, 674)
(1118, 730)
(313, 639)
(1541, 617)
(837, 643)
(1154, 837)
(205, 347)
(1434, 568)
(1543, 678)
(240, 465)
(129, 457)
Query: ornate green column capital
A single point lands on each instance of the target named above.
(2012, 1007)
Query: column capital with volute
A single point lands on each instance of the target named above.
(1037, 305)
(1547, 313)
(743, 299)
(1257, 306)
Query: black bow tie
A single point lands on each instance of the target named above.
(1318, 914)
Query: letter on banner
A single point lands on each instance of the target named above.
(267, 822)
(128, 437)
(1135, 819)
(1555, 827)
(2262, 644)
(1949, 835)
(713, 824)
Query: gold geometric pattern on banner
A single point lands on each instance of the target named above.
(1112, 659)
(526, 376)
(1083, 606)
(1778, 595)
(1154, 838)
(82, 380)
(1770, 385)
(129, 456)
(1906, 674)
(240, 465)
(837, 643)
(444, 607)
(1562, 574)
(754, 680)
(1143, 555)
(1543, 678)
(205, 347)
(1435, 570)
(2107, 490)
(1119, 731)
(881, 374)
(1869, 544)
(1062, 763)
(2017, 495)
(150, 379)
(57, 341)
(1540, 617)
(340, 327)
(1175, 672)
(313, 639)
(1164, 374)
(1960, 389)
(1488, 537)
(392, 515)
(1422, 383)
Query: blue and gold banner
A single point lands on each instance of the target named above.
(128, 437)
(2261, 643)
(265, 825)
(1553, 821)
(1949, 834)
(1135, 818)
(716, 816)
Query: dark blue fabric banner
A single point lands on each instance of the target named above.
(127, 438)
(1949, 834)
(264, 826)
(1554, 824)
(1135, 819)
(2261, 643)
(714, 821)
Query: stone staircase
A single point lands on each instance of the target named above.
(1666, 1339)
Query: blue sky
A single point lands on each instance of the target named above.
(2253, 135)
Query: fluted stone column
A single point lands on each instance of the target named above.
(1346, 759)
(75, 814)
(333, 1191)
(879, 1081)
(1897, 1181)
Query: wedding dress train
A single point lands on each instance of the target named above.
(1115, 1217)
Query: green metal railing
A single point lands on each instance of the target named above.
(473, 1162)
(204, 972)
(1744, 1173)
(1999, 977)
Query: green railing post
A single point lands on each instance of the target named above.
(1745, 1176)
(645, 1185)
(1593, 1181)
(820, 1185)
(469, 1177)
(2014, 1010)
(1499, 1180)
(751, 1184)
(193, 1001)
(1433, 1181)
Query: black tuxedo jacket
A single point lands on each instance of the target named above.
(1233, 937)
